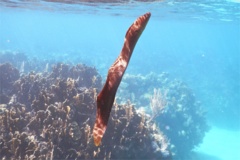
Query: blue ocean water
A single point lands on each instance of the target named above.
(195, 41)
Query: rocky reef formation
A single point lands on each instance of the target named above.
(173, 107)
(50, 115)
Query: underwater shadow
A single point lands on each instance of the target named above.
(230, 126)
(203, 156)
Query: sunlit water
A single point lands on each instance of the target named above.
(195, 41)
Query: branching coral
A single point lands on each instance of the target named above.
(8, 75)
(51, 115)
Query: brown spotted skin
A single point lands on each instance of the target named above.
(106, 97)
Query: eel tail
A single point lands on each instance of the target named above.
(106, 97)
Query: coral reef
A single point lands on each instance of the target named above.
(24, 64)
(50, 115)
(15, 58)
(173, 107)
(49, 112)
(139, 88)
(8, 75)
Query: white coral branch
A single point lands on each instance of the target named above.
(157, 102)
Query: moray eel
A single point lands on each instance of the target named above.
(106, 97)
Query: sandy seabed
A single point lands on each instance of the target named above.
(219, 144)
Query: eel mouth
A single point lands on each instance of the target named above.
(106, 97)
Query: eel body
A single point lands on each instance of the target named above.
(106, 97)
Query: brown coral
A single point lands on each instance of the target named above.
(8, 75)
(50, 116)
